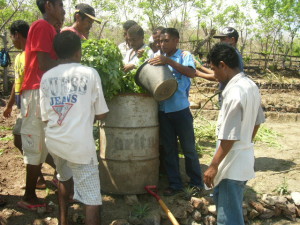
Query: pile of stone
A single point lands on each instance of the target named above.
(273, 206)
(203, 211)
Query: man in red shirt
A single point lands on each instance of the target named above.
(40, 57)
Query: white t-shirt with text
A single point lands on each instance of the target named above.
(70, 97)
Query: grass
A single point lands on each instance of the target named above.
(140, 211)
(7, 138)
(267, 136)
(282, 189)
(189, 192)
(205, 137)
(3, 128)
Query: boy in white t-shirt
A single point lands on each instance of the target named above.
(71, 98)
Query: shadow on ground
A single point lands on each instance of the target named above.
(272, 164)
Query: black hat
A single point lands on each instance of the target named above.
(228, 32)
(87, 10)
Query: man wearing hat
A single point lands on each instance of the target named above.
(83, 20)
(230, 36)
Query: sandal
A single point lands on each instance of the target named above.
(34, 207)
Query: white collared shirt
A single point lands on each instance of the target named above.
(133, 58)
(240, 112)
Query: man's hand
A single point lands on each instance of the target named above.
(159, 60)
(128, 67)
(209, 176)
(7, 112)
(140, 53)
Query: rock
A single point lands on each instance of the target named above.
(245, 212)
(209, 220)
(195, 223)
(204, 210)
(197, 202)
(134, 221)
(290, 212)
(197, 216)
(245, 205)
(212, 209)
(179, 213)
(298, 211)
(186, 205)
(279, 199)
(131, 200)
(38, 222)
(268, 199)
(257, 206)
(120, 222)
(253, 214)
(296, 197)
(183, 221)
(208, 200)
(277, 211)
(152, 219)
(266, 214)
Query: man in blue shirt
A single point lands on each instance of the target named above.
(175, 117)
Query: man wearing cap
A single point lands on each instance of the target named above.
(83, 20)
(230, 36)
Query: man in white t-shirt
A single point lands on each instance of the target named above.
(71, 98)
(238, 122)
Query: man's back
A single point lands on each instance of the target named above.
(71, 96)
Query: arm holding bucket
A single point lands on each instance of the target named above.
(162, 60)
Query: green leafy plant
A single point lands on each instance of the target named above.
(128, 79)
(104, 56)
(189, 192)
(282, 189)
(140, 211)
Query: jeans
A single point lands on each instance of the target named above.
(228, 197)
(173, 125)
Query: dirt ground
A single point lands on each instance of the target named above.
(276, 167)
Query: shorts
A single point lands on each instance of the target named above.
(86, 180)
(32, 130)
(18, 125)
